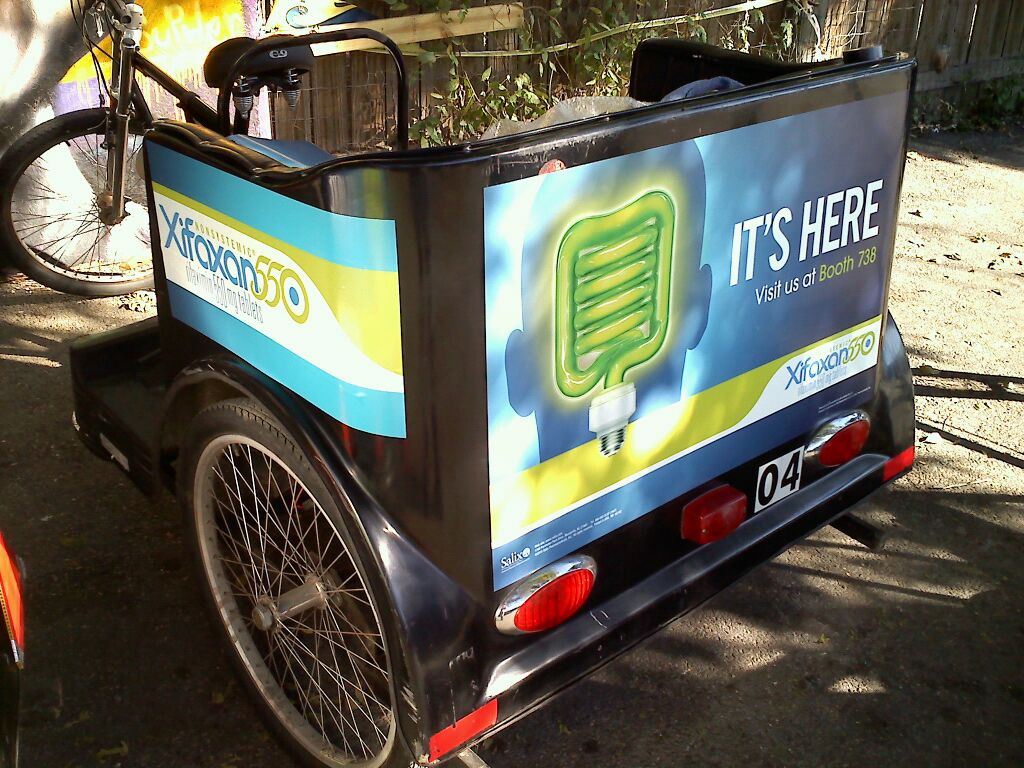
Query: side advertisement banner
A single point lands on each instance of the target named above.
(307, 296)
(657, 319)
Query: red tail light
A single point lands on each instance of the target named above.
(551, 605)
(713, 515)
(839, 440)
(901, 462)
(548, 597)
(11, 605)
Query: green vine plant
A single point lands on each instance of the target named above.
(563, 51)
(779, 39)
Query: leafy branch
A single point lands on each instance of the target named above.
(564, 52)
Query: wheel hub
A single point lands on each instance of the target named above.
(268, 614)
(264, 616)
(105, 204)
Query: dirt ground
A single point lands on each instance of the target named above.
(830, 655)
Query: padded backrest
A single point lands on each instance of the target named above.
(215, 145)
(661, 64)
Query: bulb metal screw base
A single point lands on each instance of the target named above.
(612, 441)
(609, 414)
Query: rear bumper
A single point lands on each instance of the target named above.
(527, 679)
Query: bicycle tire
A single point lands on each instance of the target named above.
(37, 262)
(241, 430)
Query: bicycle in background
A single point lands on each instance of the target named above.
(73, 210)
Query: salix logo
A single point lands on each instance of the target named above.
(510, 561)
(267, 280)
(810, 368)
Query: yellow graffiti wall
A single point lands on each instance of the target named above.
(177, 37)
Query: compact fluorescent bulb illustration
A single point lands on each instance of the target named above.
(612, 278)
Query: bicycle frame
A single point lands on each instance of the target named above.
(126, 34)
(191, 103)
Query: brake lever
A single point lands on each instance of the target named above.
(97, 12)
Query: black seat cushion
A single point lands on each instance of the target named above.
(224, 55)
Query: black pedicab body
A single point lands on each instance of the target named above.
(546, 393)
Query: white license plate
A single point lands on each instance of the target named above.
(778, 479)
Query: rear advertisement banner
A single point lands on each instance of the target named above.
(656, 319)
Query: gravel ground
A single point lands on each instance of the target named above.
(830, 655)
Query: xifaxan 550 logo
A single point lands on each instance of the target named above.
(267, 281)
(809, 368)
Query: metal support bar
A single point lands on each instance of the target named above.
(861, 531)
(112, 211)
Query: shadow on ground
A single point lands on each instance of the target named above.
(829, 656)
(996, 148)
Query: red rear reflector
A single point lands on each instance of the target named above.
(901, 461)
(713, 515)
(555, 602)
(454, 736)
(844, 444)
(11, 606)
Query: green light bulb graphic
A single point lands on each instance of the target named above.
(612, 278)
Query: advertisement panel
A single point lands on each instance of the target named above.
(307, 296)
(657, 319)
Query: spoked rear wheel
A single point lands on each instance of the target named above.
(287, 588)
(53, 223)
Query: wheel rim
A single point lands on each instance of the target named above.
(55, 213)
(294, 603)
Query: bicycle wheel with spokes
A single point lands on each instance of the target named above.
(51, 223)
(288, 589)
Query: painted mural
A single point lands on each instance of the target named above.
(178, 35)
(49, 71)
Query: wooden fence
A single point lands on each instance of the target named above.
(954, 41)
(350, 100)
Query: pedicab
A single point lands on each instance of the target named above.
(453, 427)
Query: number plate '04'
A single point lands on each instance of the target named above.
(777, 479)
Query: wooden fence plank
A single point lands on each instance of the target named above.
(420, 27)
(1014, 44)
(876, 14)
(841, 26)
(977, 72)
(902, 26)
(945, 33)
(989, 32)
